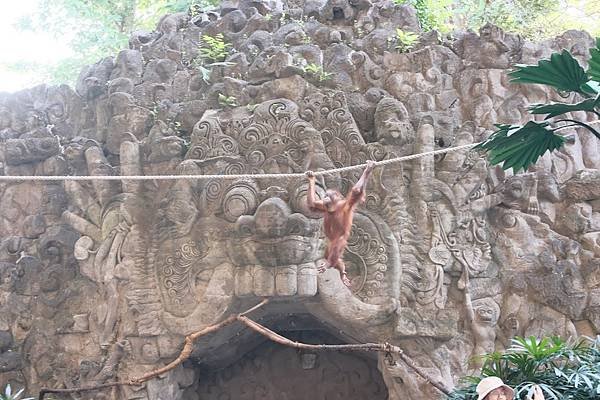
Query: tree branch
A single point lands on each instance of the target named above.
(379, 347)
(184, 355)
(269, 334)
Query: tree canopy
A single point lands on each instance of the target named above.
(94, 29)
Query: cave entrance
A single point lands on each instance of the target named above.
(265, 370)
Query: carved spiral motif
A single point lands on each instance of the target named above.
(241, 199)
(196, 152)
(377, 153)
(227, 145)
(253, 134)
(276, 109)
(295, 129)
(234, 168)
(327, 135)
(213, 190)
(202, 129)
(339, 115)
(256, 157)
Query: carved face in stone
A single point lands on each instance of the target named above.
(517, 191)
(392, 124)
(486, 311)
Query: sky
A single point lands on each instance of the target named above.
(36, 47)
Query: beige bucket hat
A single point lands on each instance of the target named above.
(490, 383)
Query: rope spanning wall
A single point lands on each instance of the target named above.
(239, 176)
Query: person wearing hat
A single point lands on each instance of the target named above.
(492, 388)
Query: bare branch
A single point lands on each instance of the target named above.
(379, 347)
(269, 334)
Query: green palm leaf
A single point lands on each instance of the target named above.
(594, 62)
(519, 147)
(555, 109)
(562, 72)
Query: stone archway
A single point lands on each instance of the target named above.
(273, 372)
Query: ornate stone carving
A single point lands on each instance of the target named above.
(101, 280)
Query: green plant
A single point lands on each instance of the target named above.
(317, 71)
(405, 40)
(531, 18)
(8, 394)
(227, 101)
(563, 370)
(214, 48)
(432, 14)
(518, 147)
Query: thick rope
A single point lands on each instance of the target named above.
(241, 176)
(232, 176)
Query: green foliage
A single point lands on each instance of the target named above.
(317, 71)
(534, 19)
(227, 101)
(511, 15)
(9, 395)
(94, 29)
(594, 62)
(405, 40)
(562, 72)
(555, 109)
(432, 14)
(519, 147)
(563, 370)
(214, 48)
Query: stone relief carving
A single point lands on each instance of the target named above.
(102, 279)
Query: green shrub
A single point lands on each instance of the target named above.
(317, 71)
(214, 48)
(563, 370)
(405, 40)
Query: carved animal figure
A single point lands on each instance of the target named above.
(338, 213)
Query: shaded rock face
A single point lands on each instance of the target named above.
(101, 280)
(272, 372)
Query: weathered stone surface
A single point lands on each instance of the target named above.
(448, 257)
(584, 185)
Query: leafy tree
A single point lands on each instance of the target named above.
(563, 370)
(95, 29)
(534, 19)
(511, 15)
(518, 147)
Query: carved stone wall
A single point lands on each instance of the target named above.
(101, 280)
